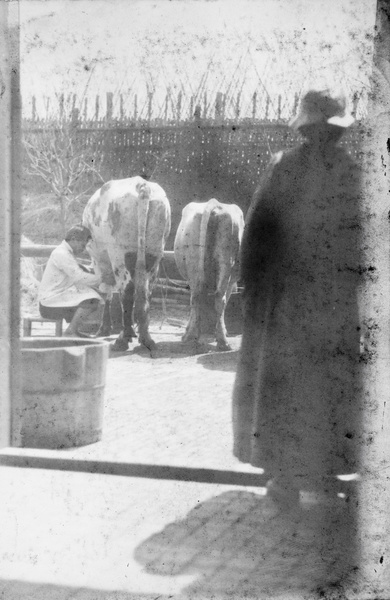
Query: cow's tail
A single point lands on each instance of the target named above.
(210, 206)
(141, 292)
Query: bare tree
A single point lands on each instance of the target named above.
(68, 159)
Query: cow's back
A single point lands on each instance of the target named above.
(225, 224)
(111, 214)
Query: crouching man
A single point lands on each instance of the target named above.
(67, 291)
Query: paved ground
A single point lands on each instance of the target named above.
(91, 536)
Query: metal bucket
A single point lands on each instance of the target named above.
(63, 391)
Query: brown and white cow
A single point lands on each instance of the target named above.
(129, 220)
(207, 247)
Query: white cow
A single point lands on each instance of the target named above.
(129, 220)
(207, 247)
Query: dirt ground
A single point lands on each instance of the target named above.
(170, 408)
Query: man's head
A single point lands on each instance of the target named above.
(77, 238)
(322, 109)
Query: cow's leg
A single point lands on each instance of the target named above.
(192, 332)
(126, 292)
(226, 258)
(222, 295)
(127, 301)
(142, 300)
(220, 332)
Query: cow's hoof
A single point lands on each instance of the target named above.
(130, 333)
(148, 343)
(223, 347)
(120, 345)
(189, 338)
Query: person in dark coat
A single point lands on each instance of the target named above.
(297, 392)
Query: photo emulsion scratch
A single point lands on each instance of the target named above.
(194, 293)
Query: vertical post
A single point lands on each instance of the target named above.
(150, 101)
(10, 126)
(266, 116)
(74, 114)
(237, 107)
(374, 489)
(192, 107)
(47, 107)
(254, 105)
(61, 107)
(97, 107)
(166, 108)
(34, 108)
(109, 105)
(121, 108)
(218, 106)
(85, 114)
(197, 113)
(279, 107)
(179, 102)
(205, 106)
(135, 107)
(75, 117)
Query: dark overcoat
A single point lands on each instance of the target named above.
(297, 395)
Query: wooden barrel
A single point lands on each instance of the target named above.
(63, 391)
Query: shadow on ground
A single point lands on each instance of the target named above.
(221, 361)
(238, 546)
(23, 590)
(165, 349)
(170, 349)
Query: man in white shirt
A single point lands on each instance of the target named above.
(67, 290)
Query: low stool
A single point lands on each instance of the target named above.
(29, 320)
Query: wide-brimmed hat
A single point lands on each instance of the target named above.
(322, 106)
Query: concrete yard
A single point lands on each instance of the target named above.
(159, 508)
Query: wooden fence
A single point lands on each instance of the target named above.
(153, 110)
(175, 107)
(194, 162)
